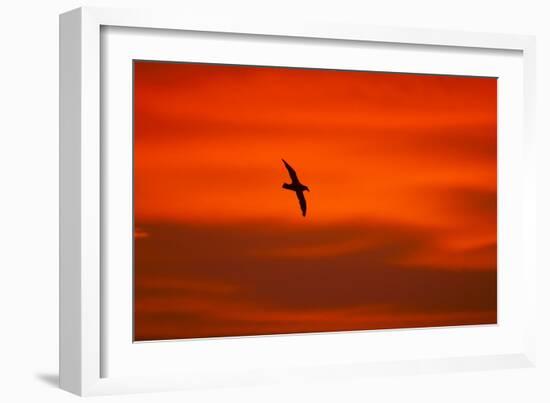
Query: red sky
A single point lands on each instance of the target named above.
(401, 223)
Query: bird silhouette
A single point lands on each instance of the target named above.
(297, 187)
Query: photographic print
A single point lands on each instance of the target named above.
(275, 200)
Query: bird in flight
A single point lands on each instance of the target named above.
(297, 187)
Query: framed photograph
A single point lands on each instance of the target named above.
(249, 202)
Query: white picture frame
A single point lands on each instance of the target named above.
(97, 356)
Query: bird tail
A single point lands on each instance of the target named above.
(287, 186)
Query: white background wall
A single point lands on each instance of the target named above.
(29, 201)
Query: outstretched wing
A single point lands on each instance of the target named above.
(291, 172)
(302, 200)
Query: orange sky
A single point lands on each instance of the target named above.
(401, 223)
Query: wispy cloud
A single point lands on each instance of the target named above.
(206, 278)
(139, 233)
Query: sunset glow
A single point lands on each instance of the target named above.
(401, 222)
